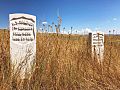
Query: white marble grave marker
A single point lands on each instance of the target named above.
(97, 45)
(22, 42)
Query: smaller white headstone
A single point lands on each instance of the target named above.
(97, 45)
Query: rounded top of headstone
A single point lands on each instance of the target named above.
(22, 28)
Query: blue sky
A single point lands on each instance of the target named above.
(101, 15)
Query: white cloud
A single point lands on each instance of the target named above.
(44, 22)
(114, 19)
(86, 31)
(65, 32)
(97, 28)
(79, 31)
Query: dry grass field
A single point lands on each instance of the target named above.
(63, 62)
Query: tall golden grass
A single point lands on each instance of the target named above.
(63, 62)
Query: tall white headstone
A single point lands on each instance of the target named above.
(22, 42)
(97, 45)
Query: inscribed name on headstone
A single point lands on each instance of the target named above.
(22, 42)
(97, 44)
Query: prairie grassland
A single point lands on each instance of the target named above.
(63, 62)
